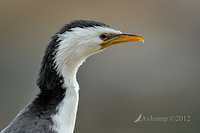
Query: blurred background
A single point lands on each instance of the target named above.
(158, 78)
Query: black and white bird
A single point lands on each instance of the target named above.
(54, 109)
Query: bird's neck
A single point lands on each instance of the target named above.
(60, 103)
(59, 87)
(65, 118)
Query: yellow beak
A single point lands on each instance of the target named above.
(121, 38)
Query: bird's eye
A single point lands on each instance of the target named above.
(104, 36)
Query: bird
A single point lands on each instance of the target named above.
(55, 107)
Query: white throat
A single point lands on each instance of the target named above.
(64, 120)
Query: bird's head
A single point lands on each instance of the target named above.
(83, 38)
(80, 39)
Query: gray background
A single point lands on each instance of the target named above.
(158, 78)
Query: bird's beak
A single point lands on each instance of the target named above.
(121, 38)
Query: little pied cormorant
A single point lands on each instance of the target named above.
(54, 109)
